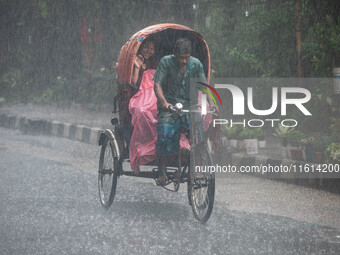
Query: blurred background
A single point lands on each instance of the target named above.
(65, 52)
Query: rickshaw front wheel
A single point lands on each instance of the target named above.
(201, 185)
(107, 173)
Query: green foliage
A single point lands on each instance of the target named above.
(260, 134)
(308, 142)
(261, 44)
(320, 143)
(251, 133)
(233, 132)
(319, 106)
(14, 86)
(41, 39)
(333, 153)
(93, 93)
(283, 133)
(334, 129)
(239, 133)
(295, 138)
(322, 46)
(42, 4)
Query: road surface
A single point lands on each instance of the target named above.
(49, 205)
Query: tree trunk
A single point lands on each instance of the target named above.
(298, 36)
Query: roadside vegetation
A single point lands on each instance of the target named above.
(64, 52)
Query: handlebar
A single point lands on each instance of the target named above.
(187, 111)
(178, 108)
(173, 109)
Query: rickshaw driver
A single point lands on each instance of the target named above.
(172, 85)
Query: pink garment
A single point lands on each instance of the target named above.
(143, 108)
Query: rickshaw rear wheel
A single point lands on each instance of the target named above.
(201, 185)
(107, 173)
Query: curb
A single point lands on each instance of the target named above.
(90, 135)
(81, 133)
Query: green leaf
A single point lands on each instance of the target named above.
(42, 4)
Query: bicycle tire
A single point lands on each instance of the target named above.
(108, 173)
(201, 186)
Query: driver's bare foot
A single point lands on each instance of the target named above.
(162, 180)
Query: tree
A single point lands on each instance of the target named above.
(298, 36)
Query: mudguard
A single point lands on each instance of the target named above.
(108, 134)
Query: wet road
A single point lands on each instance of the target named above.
(49, 205)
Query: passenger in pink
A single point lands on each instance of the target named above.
(144, 61)
(143, 108)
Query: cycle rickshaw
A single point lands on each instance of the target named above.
(115, 142)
